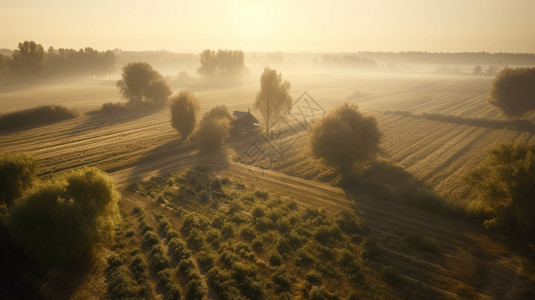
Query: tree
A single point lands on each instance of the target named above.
(513, 91)
(28, 60)
(141, 82)
(344, 136)
(223, 63)
(17, 174)
(65, 218)
(214, 128)
(478, 70)
(273, 99)
(504, 184)
(184, 110)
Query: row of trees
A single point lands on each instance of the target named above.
(30, 61)
(57, 220)
(221, 64)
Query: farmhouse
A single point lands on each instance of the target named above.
(244, 123)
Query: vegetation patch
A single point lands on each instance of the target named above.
(36, 116)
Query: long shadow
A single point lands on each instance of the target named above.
(394, 204)
(516, 125)
(117, 115)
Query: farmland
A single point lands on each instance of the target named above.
(135, 146)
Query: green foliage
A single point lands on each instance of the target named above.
(513, 91)
(36, 116)
(320, 293)
(150, 238)
(178, 249)
(275, 259)
(140, 82)
(17, 174)
(247, 232)
(281, 279)
(313, 277)
(345, 136)
(74, 213)
(504, 183)
(273, 99)
(223, 284)
(214, 129)
(184, 110)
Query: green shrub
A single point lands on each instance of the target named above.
(74, 213)
(228, 259)
(257, 245)
(223, 284)
(139, 267)
(247, 232)
(178, 249)
(275, 259)
(258, 211)
(261, 194)
(159, 261)
(150, 239)
(196, 240)
(17, 174)
(320, 293)
(327, 235)
(281, 279)
(283, 246)
(227, 231)
(513, 91)
(196, 290)
(120, 285)
(347, 222)
(206, 260)
(303, 258)
(186, 265)
(171, 234)
(173, 292)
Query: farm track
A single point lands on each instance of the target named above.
(138, 146)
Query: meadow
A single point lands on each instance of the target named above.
(397, 251)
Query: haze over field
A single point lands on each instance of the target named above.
(251, 149)
(276, 25)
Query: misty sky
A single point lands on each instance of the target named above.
(273, 25)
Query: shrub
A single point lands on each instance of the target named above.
(260, 194)
(186, 265)
(227, 231)
(17, 174)
(206, 260)
(347, 222)
(281, 279)
(247, 233)
(390, 274)
(313, 277)
(257, 245)
(159, 261)
(303, 258)
(75, 212)
(178, 249)
(275, 259)
(120, 285)
(214, 129)
(327, 234)
(320, 293)
(138, 266)
(184, 110)
(513, 91)
(258, 211)
(36, 116)
(196, 290)
(150, 239)
(223, 284)
(196, 240)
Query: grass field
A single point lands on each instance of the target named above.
(138, 145)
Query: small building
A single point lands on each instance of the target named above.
(244, 123)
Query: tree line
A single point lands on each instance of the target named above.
(31, 61)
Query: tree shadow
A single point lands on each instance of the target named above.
(115, 115)
(516, 125)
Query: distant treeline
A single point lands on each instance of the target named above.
(471, 58)
(30, 61)
(349, 60)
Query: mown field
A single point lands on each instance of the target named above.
(460, 260)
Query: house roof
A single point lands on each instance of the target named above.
(244, 116)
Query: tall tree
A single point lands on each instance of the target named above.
(344, 136)
(184, 110)
(140, 81)
(274, 98)
(28, 60)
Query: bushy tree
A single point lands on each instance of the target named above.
(273, 99)
(214, 128)
(140, 82)
(66, 217)
(28, 60)
(344, 136)
(513, 91)
(184, 110)
(223, 63)
(17, 173)
(504, 183)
